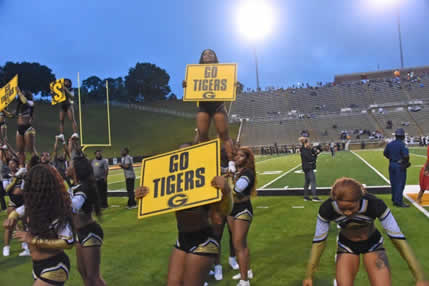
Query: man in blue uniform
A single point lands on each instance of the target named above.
(398, 156)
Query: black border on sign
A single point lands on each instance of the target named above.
(234, 91)
(215, 141)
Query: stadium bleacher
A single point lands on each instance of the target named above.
(360, 102)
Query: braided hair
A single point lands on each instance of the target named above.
(47, 203)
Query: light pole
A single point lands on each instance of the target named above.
(400, 36)
(255, 21)
(257, 71)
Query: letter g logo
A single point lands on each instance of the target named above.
(209, 94)
(177, 200)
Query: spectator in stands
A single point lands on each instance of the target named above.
(127, 165)
(308, 162)
(398, 156)
(100, 167)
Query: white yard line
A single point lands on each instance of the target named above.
(372, 168)
(420, 208)
(412, 189)
(281, 176)
(418, 155)
(264, 160)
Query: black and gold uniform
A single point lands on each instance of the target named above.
(55, 269)
(11, 182)
(91, 234)
(66, 104)
(212, 107)
(244, 183)
(25, 110)
(370, 208)
(196, 235)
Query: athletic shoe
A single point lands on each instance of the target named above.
(211, 272)
(6, 250)
(316, 199)
(243, 283)
(231, 167)
(218, 272)
(25, 252)
(249, 275)
(21, 172)
(233, 263)
(132, 207)
(206, 284)
(75, 135)
(4, 147)
(307, 199)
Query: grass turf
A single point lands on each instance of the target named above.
(145, 133)
(136, 252)
(344, 164)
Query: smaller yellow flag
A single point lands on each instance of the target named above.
(57, 90)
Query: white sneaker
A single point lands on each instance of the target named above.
(218, 272)
(243, 283)
(4, 147)
(231, 167)
(6, 250)
(75, 135)
(21, 172)
(206, 284)
(249, 275)
(211, 272)
(233, 263)
(25, 252)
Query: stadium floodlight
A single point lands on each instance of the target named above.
(255, 19)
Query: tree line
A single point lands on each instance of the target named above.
(145, 82)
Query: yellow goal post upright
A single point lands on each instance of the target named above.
(87, 145)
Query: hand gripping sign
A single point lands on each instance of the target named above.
(210, 82)
(57, 90)
(8, 92)
(180, 179)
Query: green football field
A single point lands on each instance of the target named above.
(136, 252)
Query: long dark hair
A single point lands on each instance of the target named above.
(249, 164)
(201, 57)
(85, 176)
(47, 203)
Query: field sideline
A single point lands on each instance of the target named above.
(136, 251)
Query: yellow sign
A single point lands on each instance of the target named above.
(180, 179)
(57, 90)
(8, 92)
(210, 82)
